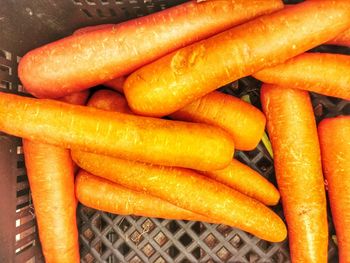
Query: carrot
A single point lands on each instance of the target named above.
(247, 181)
(189, 190)
(237, 175)
(101, 194)
(87, 29)
(327, 74)
(84, 60)
(292, 130)
(51, 179)
(78, 98)
(170, 83)
(341, 40)
(243, 121)
(158, 141)
(335, 152)
(116, 84)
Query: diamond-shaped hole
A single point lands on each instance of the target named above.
(136, 259)
(148, 250)
(98, 247)
(173, 227)
(124, 249)
(160, 260)
(104, 223)
(147, 226)
(264, 164)
(136, 237)
(198, 228)
(264, 245)
(104, 248)
(185, 239)
(124, 224)
(173, 251)
(224, 254)
(89, 234)
(224, 230)
(161, 239)
(237, 242)
(252, 257)
(279, 257)
(112, 236)
(197, 253)
(211, 241)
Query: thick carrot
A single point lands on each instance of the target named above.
(85, 60)
(341, 40)
(101, 194)
(170, 83)
(335, 151)
(327, 74)
(189, 190)
(237, 175)
(158, 141)
(78, 98)
(116, 84)
(292, 129)
(243, 121)
(247, 181)
(51, 179)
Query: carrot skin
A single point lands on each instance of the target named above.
(293, 134)
(78, 98)
(335, 152)
(169, 83)
(116, 84)
(327, 74)
(342, 39)
(101, 194)
(51, 179)
(247, 181)
(84, 60)
(110, 101)
(145, 139)
(244, 122)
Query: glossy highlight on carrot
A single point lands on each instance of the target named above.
(126, 136)
(327, 74)
(171, 82)
(292, 129)
(335, 151)
(90, 58)
(101, 194)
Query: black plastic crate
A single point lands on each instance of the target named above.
(104, 237)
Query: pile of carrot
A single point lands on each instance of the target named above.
(133, 161)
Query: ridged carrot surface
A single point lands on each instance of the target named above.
(165, 142)
(247, 181)
(334, 136)
(101, 194)
(327, 74)
(292, 129)
(84, 60)
(169, 83)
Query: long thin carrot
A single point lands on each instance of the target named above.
(327, 74)
(342, 39)
(292, 130)
(158, 141)
(78, 62)
(237, 175)
(189, 190)
(335, 151)
(101, 194)
(247, 181)
(168, 84)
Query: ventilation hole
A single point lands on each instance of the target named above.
(22, 192)
(127, 14)
(22, 178)
(279, 257)
(100, 13)
(77, 2)
(112, 236)
(138, 11)
(160, 260)
(185, 239)
(196, 253)
(5, 84)
(198, 228)
(88, 234)
(173, 252)
(264, 246)
(5, 69)
(90, 2)
(346, 109)
(22, 185)
(124, 249)
(161, 239)
(124, 225)
(5, 54)
(253, 153)
(148, 250)
(147, 226)
(264, 164)
(20, 164)
(173, 227)
(224, 254)
(87, 13)
(211, 241)
(224, 230)
(237, 242)
(112, 12)
(136, 237)
(252, 257)
(135, 259)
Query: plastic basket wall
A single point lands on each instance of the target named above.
(26, 24)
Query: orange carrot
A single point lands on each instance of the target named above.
(247, 181)
(243, 121)
(237, 175)
(335, 151)
(165, 142)
(101, 194)
(292, 129)
(51, 179)
(170, 83)
(189, 190)
(116, 84)
(84, 60)
(341, 40)
(87, 29)
(327, 74)
(78, 98)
